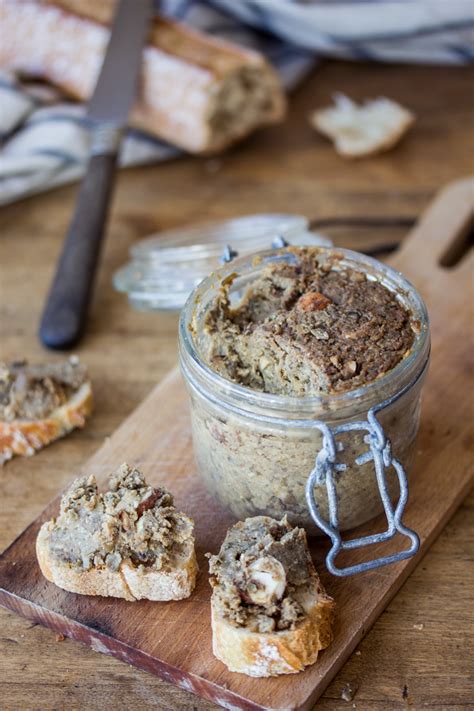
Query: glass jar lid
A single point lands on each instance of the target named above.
(165, 268)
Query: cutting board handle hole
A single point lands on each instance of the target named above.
(462, 243)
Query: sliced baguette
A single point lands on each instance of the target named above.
(269, 612)
(128, 582)
(25, 437)
(282, 652)
(128, 542)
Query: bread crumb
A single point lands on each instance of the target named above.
(419, 626)
(358, 653)
(348, 692)
(362, 130)
(60, 638)
(406, 696)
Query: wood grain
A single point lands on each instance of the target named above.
(173, 640)
(284, 168)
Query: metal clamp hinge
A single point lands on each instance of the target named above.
(326, 466)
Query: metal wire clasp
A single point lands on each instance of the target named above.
(323, 473)
(229, 254)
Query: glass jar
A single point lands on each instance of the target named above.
(255, 450)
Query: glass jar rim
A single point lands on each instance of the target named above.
(367, 395)
(241, 232)
(164, 268)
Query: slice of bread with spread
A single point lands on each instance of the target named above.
(270, 614)
(40, 403)
(128, 542)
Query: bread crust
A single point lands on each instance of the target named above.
(128, 582)
(271, 654)
(25, 437)
(188, 80)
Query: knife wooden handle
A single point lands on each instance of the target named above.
(66, 308)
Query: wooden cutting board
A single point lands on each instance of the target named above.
(173, 640)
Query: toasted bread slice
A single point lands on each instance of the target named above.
(269, 612)
(129, 542)
(359, 131)
(274, 653)
(25, 435)
(127, 582)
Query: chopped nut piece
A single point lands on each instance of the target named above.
(267, 581)
(149, 501)
(313, 301)
(320, 334)
(264, 362)
(349, 369)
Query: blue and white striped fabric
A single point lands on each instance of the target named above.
(415, 31)
(45, 141)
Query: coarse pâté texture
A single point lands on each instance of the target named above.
(32, 392)
(128, 542)
(131, 520)
(40, 403)
(258, 572)
(307, 328)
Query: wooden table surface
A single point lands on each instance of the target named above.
(417, 654)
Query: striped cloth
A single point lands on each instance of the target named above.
(416, 31)
(45, 140)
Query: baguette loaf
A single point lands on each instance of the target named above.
(129, 542)
(269, 612)
(196, 92)
(39, 404)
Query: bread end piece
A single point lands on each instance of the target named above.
(128, 582)
(260, 654)
(25, 437)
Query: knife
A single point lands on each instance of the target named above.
(65, 312)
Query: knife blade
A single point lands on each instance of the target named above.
(116, 86)
(65, 312)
